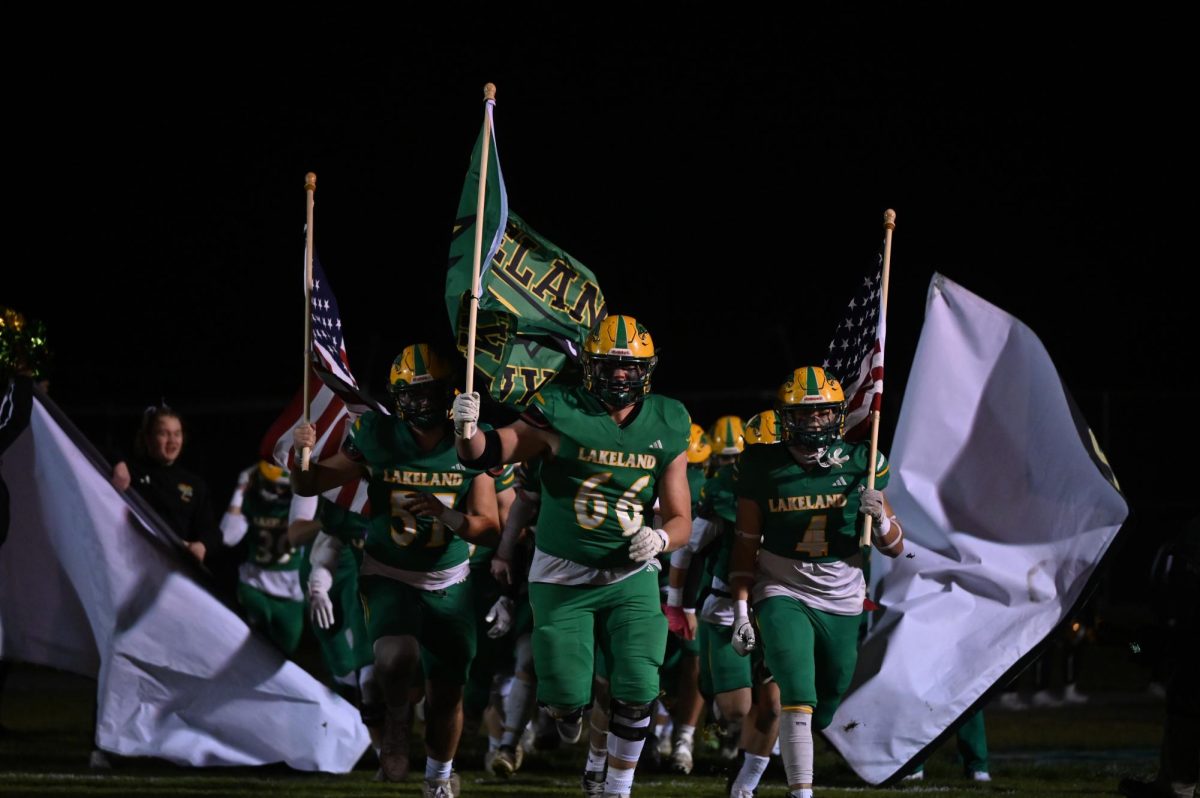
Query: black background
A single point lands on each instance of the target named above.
(723, 173)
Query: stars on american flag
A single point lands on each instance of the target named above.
(328, 341)
(854, 338)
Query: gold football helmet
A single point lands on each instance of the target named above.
(810, 407)
(728, 436)
(272, 481)
(699, 446)
(618, 344)
(761, 429)
(420, 386)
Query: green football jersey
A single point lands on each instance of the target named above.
(717, 497)
(348, 527)
(808, 515)
(696, 478)
(604, 478)
(266, 543)
(398, 470)
(718, 501)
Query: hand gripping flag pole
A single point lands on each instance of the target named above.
(489, 99)
(889, 225)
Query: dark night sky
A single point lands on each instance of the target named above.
(156, 203)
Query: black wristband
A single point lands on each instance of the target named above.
(491, 453)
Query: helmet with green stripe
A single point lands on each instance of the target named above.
(273, 482)
(761, 428)
(420, 386)
(617, 359)
(810, 407)
(728, 437)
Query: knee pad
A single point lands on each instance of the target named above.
(630, 721)
(563, 713)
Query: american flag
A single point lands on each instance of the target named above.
(336, 399)
(855, 354)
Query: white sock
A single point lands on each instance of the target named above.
(751, 773)
(596, 759)
(493, 743)
(437, 770)
(686, 733)
(619, 781)
(804, 793)
(796, 745)
(518, 709)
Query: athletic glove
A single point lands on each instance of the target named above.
(646, 543)
(466, 412)
(320, 608)
(677, 622)
(871, 503)
(500, 616)
(744, 639)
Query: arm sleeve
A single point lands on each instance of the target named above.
(303, 508)
(325, 552)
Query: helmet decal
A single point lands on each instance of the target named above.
(699, 445)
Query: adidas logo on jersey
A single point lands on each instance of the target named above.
(840, 482)
(458, 467)
(656, 445)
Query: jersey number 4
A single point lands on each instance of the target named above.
(812, 541)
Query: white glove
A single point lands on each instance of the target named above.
(645, 543)
(466, 412)
(500, 616)
(871, 503)
(744, 639)
(320, 608)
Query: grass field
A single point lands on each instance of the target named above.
(1070, 751)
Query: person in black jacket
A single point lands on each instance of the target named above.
(181, 497)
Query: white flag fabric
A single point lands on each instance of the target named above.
(1008, 507)
(89, 585)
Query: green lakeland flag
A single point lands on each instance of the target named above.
(537, 303)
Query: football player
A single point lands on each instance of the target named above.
(797, 553)
(608, 447)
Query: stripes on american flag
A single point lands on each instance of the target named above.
(855, 354)
(336, 399)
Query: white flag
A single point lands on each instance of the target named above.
(1008, 507)
(88, 586)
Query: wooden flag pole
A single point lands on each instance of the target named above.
(889, 225)
(310, 188)
(489, 99)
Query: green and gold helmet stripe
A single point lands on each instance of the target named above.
(622, 338)
(419, 367)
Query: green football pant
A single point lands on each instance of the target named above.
(625, 619)
(811, 654)
(346, 646)
(280, 619)
(492, 655)
(721, 669)
(443, 621)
